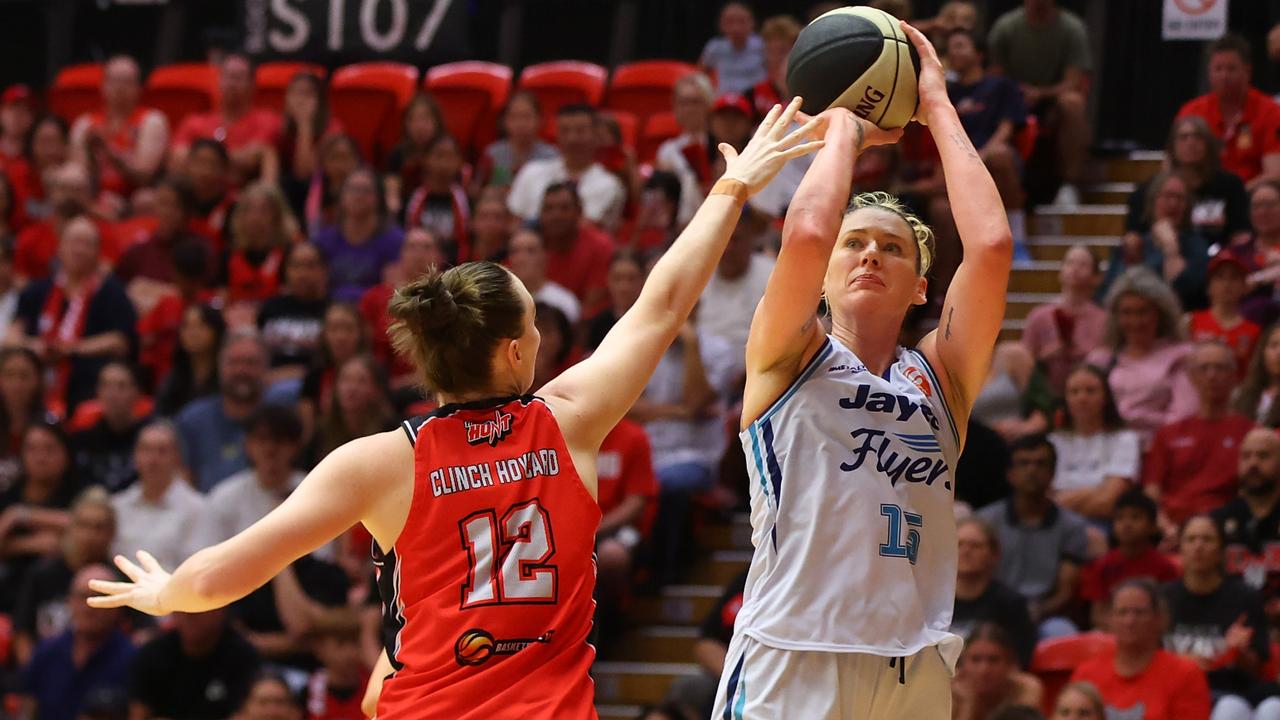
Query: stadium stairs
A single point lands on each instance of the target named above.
(660, 647)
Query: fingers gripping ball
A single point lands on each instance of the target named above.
(856, 58)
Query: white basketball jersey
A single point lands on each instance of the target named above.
(851, 511)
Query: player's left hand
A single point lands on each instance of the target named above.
(932, 80)
(142, 594)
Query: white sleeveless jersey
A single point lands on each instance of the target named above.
(851, 511)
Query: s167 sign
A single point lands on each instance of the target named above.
(416, 31)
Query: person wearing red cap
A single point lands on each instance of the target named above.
(123, 143)
(16, 119)
(732, 121)
(1222, 320)
(250, 134)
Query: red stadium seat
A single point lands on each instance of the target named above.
(658, 129)
(369, 98)
(644, 87)
(1024, 141)
(563, 82)
(271, 79)
(89, 412)
(471, 95)
(1056, 658)
(181, 90)
(76, 90)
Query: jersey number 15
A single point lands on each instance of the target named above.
(896, 546)
(509, 557)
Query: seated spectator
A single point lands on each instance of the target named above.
(421, 123)
(440, 203)
(577, 254)
(334, 691)
(291, 321)
(953, 15)
(689, 154)
(1143, 352)
(363, 241)
(158, 329)
(91, 655)
(193, 372)
(421, 252)
(47, 148)
(521, 122)
(491, 225)
(270, 698)
(556, 352)
(212, 427)
(1262, 253)
(1015, 400)
(160, 513)
(1220, 209)
(70, 196)
(277, 617)
(627, 490)
(21, 404)
(124, 143)
(735, 57)
(730, 298)
(1242, 117)
(622, 285)
(1256, 395)
(619, 158)
(1251, 522)
(656, 224)
(339, 158)
(981, 598)
(1042, 545)
(732, 121)
(208, 167)
(1216, 621)
(1135, 533)
(10, 222)
(104, 450)
(201, 669)
(1138, 675)
(249, 133)
(343, 336)
(1222, 321)
(16, 119)
(272, 441)
(987, 676)
(41, 610)
(1172, 248)
(361, 406)
(602, 195)
(1098, 458)
(148, 269)
(1079, 701)
(307, 123)
(1045, 49)
(527, 256)
(34, 511)
(1190, 467)
(262, 231)
(778, 35)
(992, 111)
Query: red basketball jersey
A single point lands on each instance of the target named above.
(487, 593)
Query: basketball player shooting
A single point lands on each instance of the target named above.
(851, 440)
(483, 512)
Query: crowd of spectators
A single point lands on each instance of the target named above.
(193, 316)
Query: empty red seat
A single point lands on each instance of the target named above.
(564, 82)
(181, 90)
(658, 129)
(644, 87)
(369, 98)
(1056, 658)
(76, 90)
(470, 95)
(271, 79)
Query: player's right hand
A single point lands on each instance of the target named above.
(142, 594)
(771, 147)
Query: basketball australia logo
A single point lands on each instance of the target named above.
(476, 646)
(490, 431)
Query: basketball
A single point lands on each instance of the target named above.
(474, 647)
(856, 58)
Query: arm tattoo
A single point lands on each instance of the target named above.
(951, 316)
(962, 142)
(857, 143)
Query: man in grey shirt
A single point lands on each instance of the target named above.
(1043, 545)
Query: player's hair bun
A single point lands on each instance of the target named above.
(434, 307)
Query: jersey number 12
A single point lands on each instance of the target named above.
(896, 546)
(508, 557)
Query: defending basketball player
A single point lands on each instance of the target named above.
(851, 439)
(483, 512)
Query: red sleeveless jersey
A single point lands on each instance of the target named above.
(487, 593)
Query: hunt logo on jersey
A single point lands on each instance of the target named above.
(489, 431)
(476, 646)
(901, 407)
(899, 466)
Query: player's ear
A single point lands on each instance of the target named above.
(922, 291)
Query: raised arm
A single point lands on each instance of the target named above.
(592, 396)
(960, 349)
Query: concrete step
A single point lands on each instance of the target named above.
(721, 568)
(1055, 247)
(1078, 220)
(1034, 276)
(636, 683)
(659, 643)
(1137, 167)
(618, 712)
(677, 604)
(735, 535)
(1108, 193)
(1019, 305)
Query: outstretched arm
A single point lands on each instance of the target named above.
(960, 349)
(592, 396)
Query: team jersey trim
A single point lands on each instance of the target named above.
(942, 398)
(808, 371)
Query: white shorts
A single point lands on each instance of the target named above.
(765, 683)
